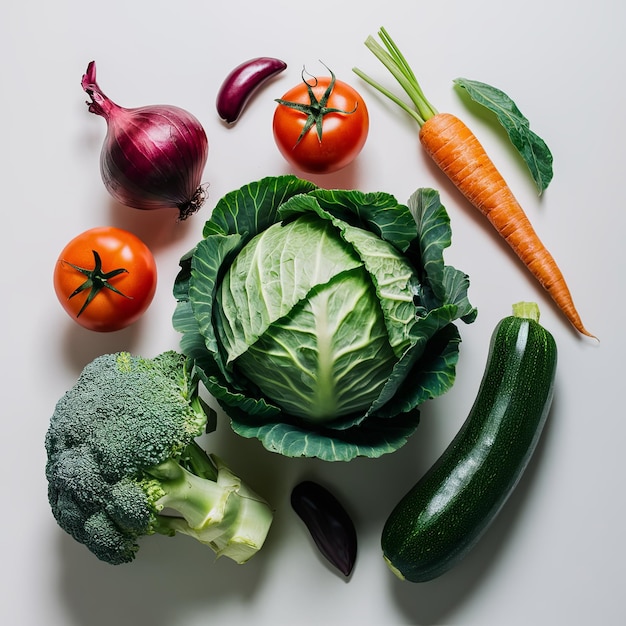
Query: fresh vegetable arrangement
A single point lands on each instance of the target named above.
(458, 153)
(105, 278)
(123, 462)
(443, 516)
(321, 125)
(320, 320)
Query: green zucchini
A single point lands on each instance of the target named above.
(443, 516)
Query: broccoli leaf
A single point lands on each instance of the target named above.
(532, 148)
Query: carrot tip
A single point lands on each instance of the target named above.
(581, 329)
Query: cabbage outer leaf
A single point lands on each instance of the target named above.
(372, 438)
(442, 284)
(253, 208)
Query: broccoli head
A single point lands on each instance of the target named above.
(123, 462)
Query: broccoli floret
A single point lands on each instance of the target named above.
(123, 462)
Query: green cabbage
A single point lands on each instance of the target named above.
(321, 319)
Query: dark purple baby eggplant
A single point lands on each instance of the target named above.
(239, 86)
(328, 522)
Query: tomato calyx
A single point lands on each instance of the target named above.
(96, 281)
(316, 109)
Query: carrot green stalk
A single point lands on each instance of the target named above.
(458, 153)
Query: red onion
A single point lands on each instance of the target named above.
(153, 157)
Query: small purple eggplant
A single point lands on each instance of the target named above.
(328, 522)
(239, 86)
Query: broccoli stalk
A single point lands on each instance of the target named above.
(213, 505)
(123, 462)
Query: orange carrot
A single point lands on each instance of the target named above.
(461, 157)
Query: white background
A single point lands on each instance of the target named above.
(555, 555)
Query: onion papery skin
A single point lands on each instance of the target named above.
(153, 157)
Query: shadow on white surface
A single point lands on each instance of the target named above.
(350, 177)
(171, 580)
(158, 228)
(80, 346)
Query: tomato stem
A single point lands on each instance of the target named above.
(96, 280)
(316, 109)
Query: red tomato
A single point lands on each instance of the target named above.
(343, 134)
(115, 269)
